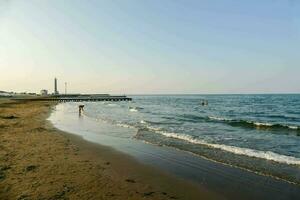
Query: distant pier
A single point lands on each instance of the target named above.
(77, 98)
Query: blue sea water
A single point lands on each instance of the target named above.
(256, 132)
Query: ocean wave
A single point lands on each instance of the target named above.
(239, 122)
(219, 118)
(254, 124)
(113, 122)
(135, 109)
(112, 104)
(263, 125)
(165, 122)
(268, 155)
(143, 122)
(294, 127)
(125, 125)
(260, 124)
(191, 118)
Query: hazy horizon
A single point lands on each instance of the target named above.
(150, 47)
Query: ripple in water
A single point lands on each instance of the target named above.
(261, 128)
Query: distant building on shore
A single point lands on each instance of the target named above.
(55, 87)
(44, 92)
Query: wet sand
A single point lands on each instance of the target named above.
(38, 161)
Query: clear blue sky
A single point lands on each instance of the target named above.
(151, 46)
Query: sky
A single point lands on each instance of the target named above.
(150, 46)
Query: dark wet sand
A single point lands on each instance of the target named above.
(37, 161)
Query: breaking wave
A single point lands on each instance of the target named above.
(135, 109)
(160, 122)
(239, 122)
(268, 155)
(253, 124)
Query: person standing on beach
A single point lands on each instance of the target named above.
(80, 109)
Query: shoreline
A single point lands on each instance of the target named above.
(229, 181)
(40, 161)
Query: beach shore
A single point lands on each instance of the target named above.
(38, 161)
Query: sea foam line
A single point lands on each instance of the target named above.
(268, 155)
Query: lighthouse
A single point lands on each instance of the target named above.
(55, 87)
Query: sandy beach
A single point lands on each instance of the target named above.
(38, 161)
(146, 99)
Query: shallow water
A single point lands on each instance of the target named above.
(260, 133)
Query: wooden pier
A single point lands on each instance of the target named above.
(79, 98)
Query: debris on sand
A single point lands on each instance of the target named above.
(9, 117)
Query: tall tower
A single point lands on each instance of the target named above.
(65, 87)
(55, 86)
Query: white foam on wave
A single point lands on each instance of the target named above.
(143, 122)
(268, 155)
(112, 105)
(124, 125)
(219, 118)
(293, 127)
(133, 110)
(260, 123)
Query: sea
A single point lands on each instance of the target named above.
(257, 133)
